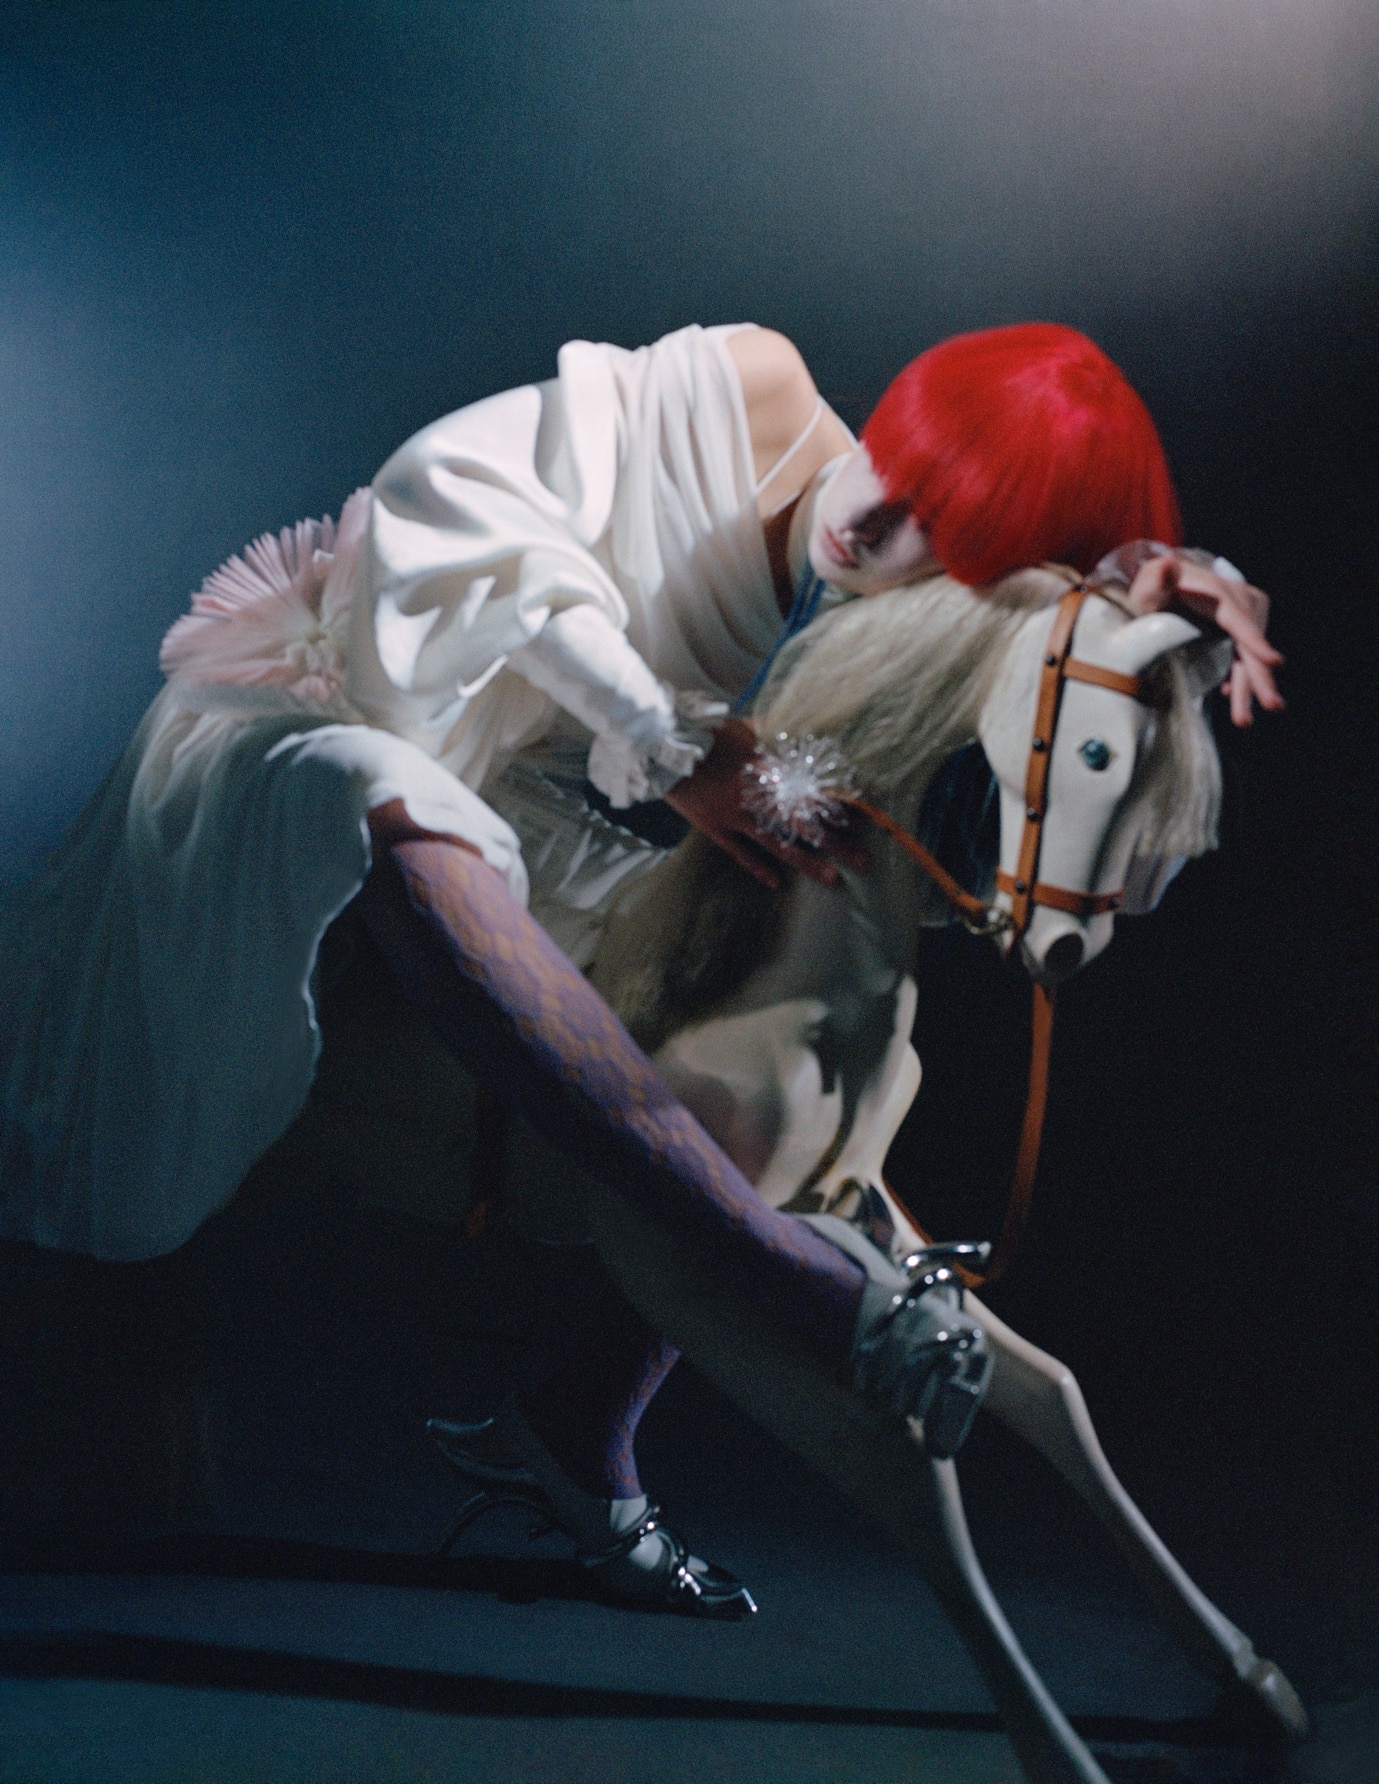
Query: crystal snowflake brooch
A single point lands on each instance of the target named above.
(798, 787)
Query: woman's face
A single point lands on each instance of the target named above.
(860, 540)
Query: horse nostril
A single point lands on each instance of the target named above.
(1064, 957)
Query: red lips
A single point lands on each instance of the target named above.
(838, 551)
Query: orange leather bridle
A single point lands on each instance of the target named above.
(1024, 887)
(1026, 891)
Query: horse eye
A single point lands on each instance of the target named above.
(1095, 754)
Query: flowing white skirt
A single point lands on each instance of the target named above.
(157, 1028)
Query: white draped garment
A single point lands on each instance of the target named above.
(564, 575)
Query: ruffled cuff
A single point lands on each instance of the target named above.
(647, 735)
(628, 769)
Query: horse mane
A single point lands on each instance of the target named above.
(683, 938)
(898, 680)
(1174, 800)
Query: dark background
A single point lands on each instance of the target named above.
(246, 250)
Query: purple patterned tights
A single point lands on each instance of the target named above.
(525, 1022)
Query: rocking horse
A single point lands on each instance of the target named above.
(802, 1067)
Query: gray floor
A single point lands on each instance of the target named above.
(74, 1731)
(77, 1731)
(304, 1632)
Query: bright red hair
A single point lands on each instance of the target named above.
(1022, 445)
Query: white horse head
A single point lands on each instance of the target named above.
(1099, 769)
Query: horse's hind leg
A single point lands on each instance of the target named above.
(1040, 1733)
(872, 1458)
(1038, 1397)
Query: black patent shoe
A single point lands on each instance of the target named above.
(675, 1580)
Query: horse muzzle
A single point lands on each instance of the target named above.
(1056, 943)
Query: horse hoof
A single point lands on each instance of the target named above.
(1261, 1707)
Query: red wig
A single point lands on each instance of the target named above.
(1022, 445)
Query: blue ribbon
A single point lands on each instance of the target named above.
(808, 593)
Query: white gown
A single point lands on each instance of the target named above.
(565, 577)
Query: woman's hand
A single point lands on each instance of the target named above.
(1236, 608)
(712, 800)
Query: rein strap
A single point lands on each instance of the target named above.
(974, 913)
(977, 917)
(1026, 891)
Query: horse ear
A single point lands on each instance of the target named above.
(1145, 640)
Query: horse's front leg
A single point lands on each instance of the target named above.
(1038, 1397)
(870, 1456)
